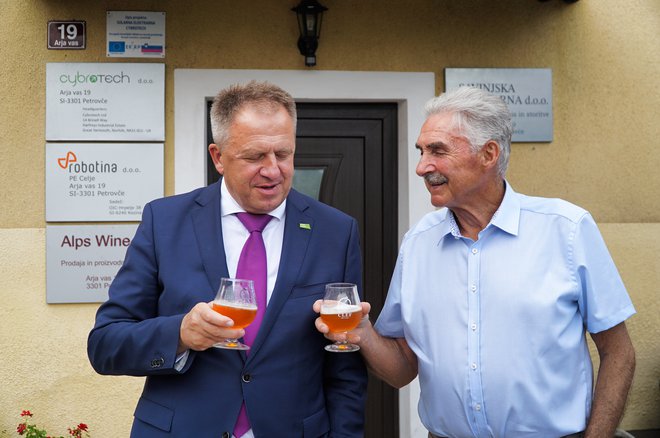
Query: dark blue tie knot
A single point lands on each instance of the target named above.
(254, 222)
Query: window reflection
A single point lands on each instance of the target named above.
(308, 180)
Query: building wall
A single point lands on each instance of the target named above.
(605, 59)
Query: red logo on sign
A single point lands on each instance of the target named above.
(70, 158)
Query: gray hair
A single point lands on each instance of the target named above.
(228, 102)
(479, 116)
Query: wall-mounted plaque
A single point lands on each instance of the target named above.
(102, 181)
(135, 34)
(82, 261)
(105, 102)
(63, 35)
(527, 92)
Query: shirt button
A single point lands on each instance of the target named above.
(473, 326)
(475, 250)
(477, 407)
(246, 378)
(473, 288)
(473, 366)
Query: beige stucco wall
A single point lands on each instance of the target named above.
(605, 58)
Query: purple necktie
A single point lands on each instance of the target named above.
(252, 266)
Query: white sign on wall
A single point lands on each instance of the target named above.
(135, 34)
(526, 91)
(82, 260)
(102, 181)
(105, 101)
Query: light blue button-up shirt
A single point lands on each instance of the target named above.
(498, 324)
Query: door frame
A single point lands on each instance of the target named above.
(410, 90)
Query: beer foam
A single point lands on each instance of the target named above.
(338, 308)
(235, 304)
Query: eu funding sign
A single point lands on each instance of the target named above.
(135, 34)
(526, 91)
(105, 102)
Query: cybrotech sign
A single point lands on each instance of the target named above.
(105, 102)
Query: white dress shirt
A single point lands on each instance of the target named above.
(234, 235)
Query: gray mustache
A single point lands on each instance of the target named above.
(435, 178)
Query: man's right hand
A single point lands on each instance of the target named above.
(354, 336)
(203, 327)
(391, 359)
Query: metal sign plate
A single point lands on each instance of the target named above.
(66, 35)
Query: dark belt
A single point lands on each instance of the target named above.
(573, 435)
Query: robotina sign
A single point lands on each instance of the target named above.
(102, 181)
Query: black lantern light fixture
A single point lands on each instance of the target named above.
(310, 13)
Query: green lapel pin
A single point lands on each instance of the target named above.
(306, 226)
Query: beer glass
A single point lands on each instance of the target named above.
(236, 300)
(341, 312)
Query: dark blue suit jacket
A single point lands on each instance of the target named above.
(292, 387)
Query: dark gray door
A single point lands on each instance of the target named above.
(355, 145)
(346, 156)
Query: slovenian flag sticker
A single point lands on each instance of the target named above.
(151, 49)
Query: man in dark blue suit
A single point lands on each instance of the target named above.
(158, 321)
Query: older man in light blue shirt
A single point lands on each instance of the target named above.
(492, 293)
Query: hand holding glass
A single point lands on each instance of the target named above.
(236, 300)
(341, 312)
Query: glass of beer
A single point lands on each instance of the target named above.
(341, 312)
(236, 300)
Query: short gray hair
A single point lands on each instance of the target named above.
(479, 116)
(228, 102)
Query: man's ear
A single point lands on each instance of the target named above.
(490, 154)
(216, 155)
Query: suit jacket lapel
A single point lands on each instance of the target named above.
(294, 247)
(208, 233)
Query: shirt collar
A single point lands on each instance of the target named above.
(229, 206)
(506, 217)
(447, 223)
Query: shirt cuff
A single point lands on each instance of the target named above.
(181, 360)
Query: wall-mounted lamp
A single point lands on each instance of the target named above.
(310, 13)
